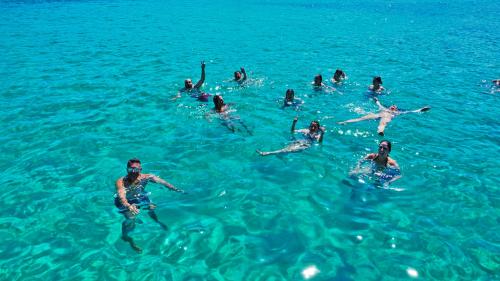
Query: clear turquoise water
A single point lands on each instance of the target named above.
(85, 85)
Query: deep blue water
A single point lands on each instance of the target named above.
(87, 85)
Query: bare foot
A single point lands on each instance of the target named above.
(132, 244)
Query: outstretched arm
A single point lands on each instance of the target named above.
(293, 124)
(380, 106)
(425, 108)
(202, 79)
(159, 180)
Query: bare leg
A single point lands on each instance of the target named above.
(381, 126)
(294, 147)
(127, 226)
(370, 116)
(153, 215)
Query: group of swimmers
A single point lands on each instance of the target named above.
(131, 195)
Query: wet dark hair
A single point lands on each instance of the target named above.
(132, 161)
(290, 92)
(319, 76)
(389, 145)
(377, 79)
(217, 102)
(317, 123)
(339, 72)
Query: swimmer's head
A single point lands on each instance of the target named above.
(393, 107)
(290, 95)
(377, 80)
(134, 167)
(339, 74)
(237, 75)
(218, 102)
(314, 126)
(318, 79)
(188, 84)
(384, 147)
(496, 82)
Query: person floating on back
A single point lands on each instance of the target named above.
(385, 115)
(240, 76)
(188, 84)
(313, 133)
(376, 85)
(131, 196)
(338, 76)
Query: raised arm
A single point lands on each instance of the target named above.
(202, 79)
(122, 195)
(159, 180)
(293, 124)
(322, 132)
(244, 74)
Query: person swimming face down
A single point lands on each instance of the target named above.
(218, 103)
(318, 80)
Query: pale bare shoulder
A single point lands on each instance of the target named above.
(392, 162)
(371, 156)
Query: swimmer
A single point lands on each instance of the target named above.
(313, 133)
(238, 74)
(131, 196)
(188, 84)
(385, 115)
(376, 85)
(338, 76)
(496, 82)
(381, 161)
(290, 99)
(318, 83)
(223, 111)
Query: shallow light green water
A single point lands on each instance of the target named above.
(86, 85)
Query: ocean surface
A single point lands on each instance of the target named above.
(87, 85)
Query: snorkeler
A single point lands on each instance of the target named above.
(313, 133)
(381, 161)
(131, 196)
(338, 76)
(385, 115)
(238, 74)
(188, 84)
(291, 100)
(376, 85)
(222, 109)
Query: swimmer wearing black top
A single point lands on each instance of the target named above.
(188, 84)
(381, 161)
(238, 76)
